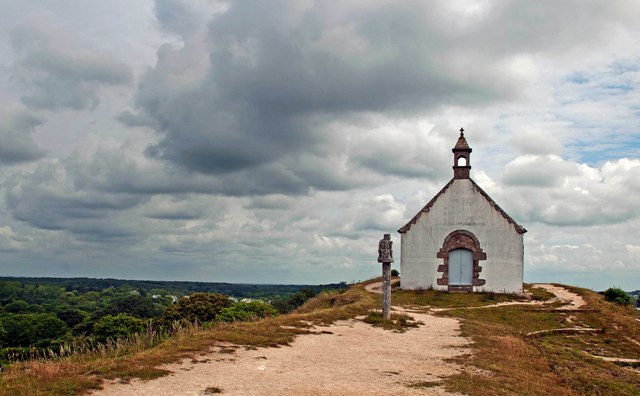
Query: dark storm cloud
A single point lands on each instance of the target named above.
(257, 88)
(55, 76)
(50, 199)
(16, 143)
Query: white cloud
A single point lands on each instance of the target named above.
(278, 141)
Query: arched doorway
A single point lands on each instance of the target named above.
(460, 267)
(461, 254)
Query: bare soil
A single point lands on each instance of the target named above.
(347, 358)
(570, 299)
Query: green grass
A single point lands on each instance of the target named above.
(441, 299)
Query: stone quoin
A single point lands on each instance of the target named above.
(461, 240)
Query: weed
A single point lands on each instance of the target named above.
(424, 384)
(397, 322)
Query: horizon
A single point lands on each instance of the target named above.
(243, 142)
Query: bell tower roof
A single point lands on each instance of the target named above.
(462, 142)
(461, 157)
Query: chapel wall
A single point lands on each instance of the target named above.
(461, 206)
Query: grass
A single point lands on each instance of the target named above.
(397, 322)
(441, 299)
(127, 359)
(210, 390)
(555, 364)
(504, 361)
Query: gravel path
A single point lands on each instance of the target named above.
(348, 358)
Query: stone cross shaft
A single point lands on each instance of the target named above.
(385, 256)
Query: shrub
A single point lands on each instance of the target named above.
(33, 329)
(395, 272)
(119, 326)
(297, 299)
(203, 307)
(3, 335)
(246, 311)
(618, 296)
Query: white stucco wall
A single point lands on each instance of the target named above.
(461, 206)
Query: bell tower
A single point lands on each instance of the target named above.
(461, 158)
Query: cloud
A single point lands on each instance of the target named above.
(536, 142)
(557, 192)
(16, 141)
(282, 139)
(55, 74)
(282, 93)
(538, 171)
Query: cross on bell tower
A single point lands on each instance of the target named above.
(461, 158)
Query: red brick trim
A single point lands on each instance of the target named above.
(461, 239)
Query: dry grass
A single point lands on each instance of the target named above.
(556, 364)
(397, 322)
(127, 359)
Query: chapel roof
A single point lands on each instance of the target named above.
(519, 229)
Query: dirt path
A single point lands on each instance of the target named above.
(348, 358)
(376, 287)
(570, 299)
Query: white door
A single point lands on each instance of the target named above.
(460, 267)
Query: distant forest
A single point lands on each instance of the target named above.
(177, 288)
(49, 312)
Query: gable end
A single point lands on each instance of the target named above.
(426, 208)
(519, 229)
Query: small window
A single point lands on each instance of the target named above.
(462, 161)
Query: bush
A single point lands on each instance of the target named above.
(119, 326)
(38, 330)
(618, 296)
(3, 335)
(246, 311)
(203, 307)
(297, 299)
(395, 272)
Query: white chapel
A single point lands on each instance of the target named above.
(461, 240)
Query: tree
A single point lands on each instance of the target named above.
(71, 316)
(134, 305)
(288, 304)
(33, 329)
(3, 336)
(18, 306)
(618, 296)
(118, 326)
(203, 307)
(246, 311)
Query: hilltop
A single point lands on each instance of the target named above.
(479, 344)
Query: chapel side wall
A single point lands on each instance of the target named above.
(462, 207)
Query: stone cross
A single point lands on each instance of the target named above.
(385, 256)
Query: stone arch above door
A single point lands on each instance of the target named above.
(461, 239)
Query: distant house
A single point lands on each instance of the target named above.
(461, 240)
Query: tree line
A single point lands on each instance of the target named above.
(48, 312)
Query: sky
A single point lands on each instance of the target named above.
(275, 142)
